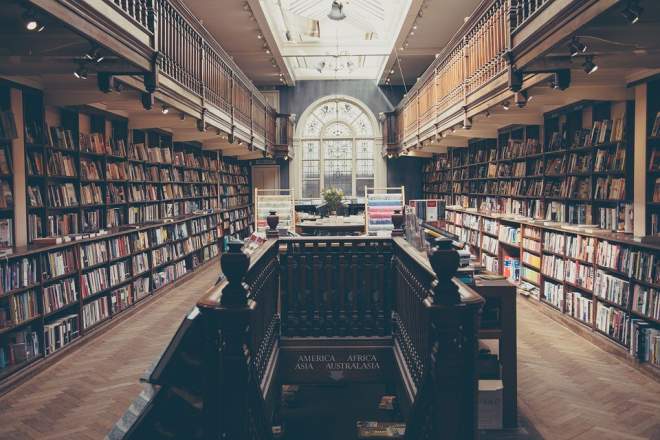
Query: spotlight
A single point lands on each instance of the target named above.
(259, 36)
(632, 11)
(488, 113)
(320, 66)
(165, 109)
(32, 23)
(94, 55)
(589, 65)
(520, 99)
(506, 105)
(444, 134)
(577, 47)
(81, 72)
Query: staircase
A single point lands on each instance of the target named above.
(352, 318)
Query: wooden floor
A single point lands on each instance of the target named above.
(568, 388)
(84, 394)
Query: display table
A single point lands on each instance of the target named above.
(332, 226)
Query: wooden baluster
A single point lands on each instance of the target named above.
(303, 295)
(353, 296)
(381, 292)
(342, 290)
(317, 293)
(330, 326)
(367, 296)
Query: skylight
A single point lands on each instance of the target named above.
(314, 46)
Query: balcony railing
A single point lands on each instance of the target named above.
(524, 10)
(139, 11)
(171, 48)
(473, 58)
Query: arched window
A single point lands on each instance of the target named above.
(337, 143)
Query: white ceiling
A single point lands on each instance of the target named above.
(373, 34)
(315, 47)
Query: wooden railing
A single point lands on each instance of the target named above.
(478, 54)
(242, 328)
(523, 10)
(180, 52)
(140, 11)
(336, 286)
(224, 361)
(435, 330)
(282, 145)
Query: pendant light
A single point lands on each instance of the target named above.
(336, 11)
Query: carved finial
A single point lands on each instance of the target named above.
(272, 220)
(235, 264)
(397, 221)
(444, 260)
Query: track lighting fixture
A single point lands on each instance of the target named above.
(32, 23)
(589, 65)
(506, 105)
(521, 99)
(259, 36)
(94, 55)
(632, 11)
(165, 109)
(81, 72)
(577, 47)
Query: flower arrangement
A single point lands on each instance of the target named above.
(332, 197)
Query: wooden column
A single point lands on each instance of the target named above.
(639, 158)
(18, 163)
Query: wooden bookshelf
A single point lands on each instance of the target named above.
(190, 241)
(577, 168)
(159, 211)
(8, 131)
(597, 279)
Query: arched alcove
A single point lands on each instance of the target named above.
(338, 143)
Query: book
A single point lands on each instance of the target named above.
(655, 131)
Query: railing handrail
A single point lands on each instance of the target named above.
(211, 299)
(445, 53)
(468, 296)
(209, 39)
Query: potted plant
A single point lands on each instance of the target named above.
(332, 198)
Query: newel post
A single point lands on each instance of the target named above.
(453, 338)
(226, 358)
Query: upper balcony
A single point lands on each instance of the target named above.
(158, 55)
(501, 52)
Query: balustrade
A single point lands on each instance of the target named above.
(138, 10)
(224, 360)
(336, 286)
(474, 57)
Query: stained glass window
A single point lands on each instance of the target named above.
(338, 149)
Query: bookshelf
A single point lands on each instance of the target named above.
(83, 283)
(605, 282)
(7, 133)
(576, 168)
(653, 159)
(114, 216)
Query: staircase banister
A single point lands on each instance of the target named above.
(469, 297)
(211, 298)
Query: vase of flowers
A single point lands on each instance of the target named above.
(332, 198)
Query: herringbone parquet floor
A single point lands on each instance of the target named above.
(83, 395)
(568, 388)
